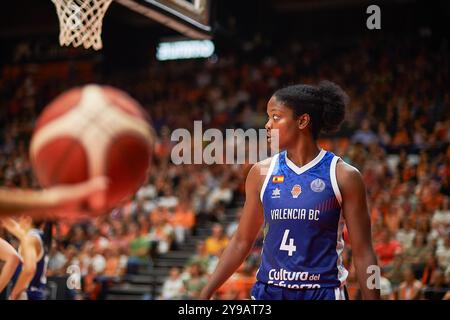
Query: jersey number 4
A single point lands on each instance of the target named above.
(290, 248)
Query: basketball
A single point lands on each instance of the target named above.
(93, 131)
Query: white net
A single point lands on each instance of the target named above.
(80, 22)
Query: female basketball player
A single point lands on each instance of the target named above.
(302, 195)
(55, 202)
(29, 279)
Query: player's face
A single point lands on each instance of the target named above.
(281, 118)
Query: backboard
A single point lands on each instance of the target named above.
(189, 17)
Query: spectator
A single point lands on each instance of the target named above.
(442, 215)
(201, 256)
(195, 283)
(85, 257)
(406, 234)
(139, 251)
(217, 241)
(443, 252)
(121, 239)
(410, 288)
(113, 267)
(417, 254)
(383, 136)
(70, 254)
(386, 291)
(223, 194)
(98, 260)
(365, 135)
(173, 286)
(395, 271)
(161, 236)
(143, 223)
(56, 260)
(76, 237)
(182, 220)
(387, 249)
(90, 287)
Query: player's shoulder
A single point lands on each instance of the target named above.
(259, 170)
(346, 169)
(265, 164)
(34, 236)
(262, 167)
(348, 175)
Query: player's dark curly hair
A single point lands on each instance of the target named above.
(325, 104)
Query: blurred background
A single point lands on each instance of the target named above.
(165, 243)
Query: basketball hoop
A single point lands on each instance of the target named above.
(80, 22)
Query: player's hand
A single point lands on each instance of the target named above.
(78, 201)
(13, 227)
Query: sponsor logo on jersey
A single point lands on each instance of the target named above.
(317, 185)
(277, 179)
(294, 279)
(276, 193)
(283, 274)
(296, 190)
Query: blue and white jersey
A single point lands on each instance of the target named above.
(36, 288)
(303, 228)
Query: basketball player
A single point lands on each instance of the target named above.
(29, 279)
(302, 196)
(56, 202)
(10, 259)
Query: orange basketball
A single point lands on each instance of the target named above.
(93, 131)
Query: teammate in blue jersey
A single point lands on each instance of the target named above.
(302, 197)
(29, 280)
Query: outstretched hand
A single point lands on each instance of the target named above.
(77, 202)
(13, 227)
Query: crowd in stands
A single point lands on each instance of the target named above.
(397, 133)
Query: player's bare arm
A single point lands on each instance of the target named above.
(55, 202)
(10, 260)
(244, 237)
(355, 211)
(13, 227)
